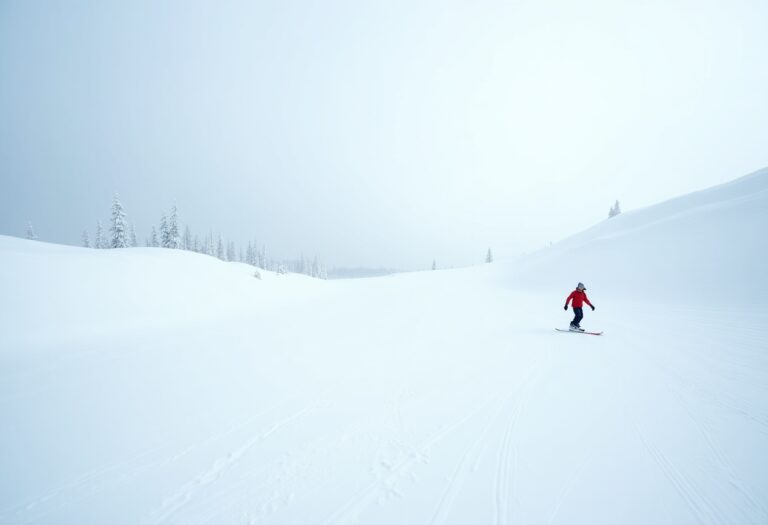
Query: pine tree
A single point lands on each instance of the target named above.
(615, 210)
(99, 241)
(489, 256)
(86, 240)
(31, 235)
(434, 264)
(315, 268)
(173, 228)
(249, 258)
(165, 233)
(220, 248)
(118, 238)
(153, 241)
(132, 242)
(196, 244)
(231, 251)
(262, 259)
(186, 242)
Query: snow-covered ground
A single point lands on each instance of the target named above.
(149, 386)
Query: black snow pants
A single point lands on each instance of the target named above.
(579, 315)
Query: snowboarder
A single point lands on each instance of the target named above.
(579, 298)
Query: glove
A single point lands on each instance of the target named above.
(593, 308)
(565, 307)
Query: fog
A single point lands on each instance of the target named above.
(373, 134)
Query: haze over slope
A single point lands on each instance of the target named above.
(161, 387)
(705, 246)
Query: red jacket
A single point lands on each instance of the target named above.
(579, 298)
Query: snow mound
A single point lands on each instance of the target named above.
(54, 293)
(705, 246)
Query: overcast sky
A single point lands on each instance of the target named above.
(374, 133)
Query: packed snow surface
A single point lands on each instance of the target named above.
(151, 386)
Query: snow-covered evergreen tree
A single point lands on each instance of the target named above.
(434, 264)
(85, 239)
(165, 233)
(153, 240)
(615, 210)
(249, 257)
(231, 251)
(186, 240)
(196, 244)
(132, 241)
(262, 259)
(173, 228)
(315, 270)
(220, 248)
(118, 237)
(489, 256)
(31, 235)
(99, 241)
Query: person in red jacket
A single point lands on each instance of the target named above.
(579, 298)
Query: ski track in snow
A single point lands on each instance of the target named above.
(457, 476)
(472, 453)
(702, 507)
(96, 481)
(185, 494)
(706, 507)
(77, 489)
(743, 497)
(570, 482)
(508, 455)
(350, 510)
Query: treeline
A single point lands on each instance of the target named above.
(168, 234)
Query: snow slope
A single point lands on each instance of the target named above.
(148, 386)
(678, 251)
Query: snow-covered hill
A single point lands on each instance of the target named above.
(709, 246)
(148, 386)
(54, 293)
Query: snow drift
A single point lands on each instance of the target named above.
(151, 386)
(54, 293)
(705, 246)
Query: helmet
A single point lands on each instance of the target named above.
(581, 286)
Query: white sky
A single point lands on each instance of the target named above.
(374, 133)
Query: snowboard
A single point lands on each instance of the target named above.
(574, 332)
